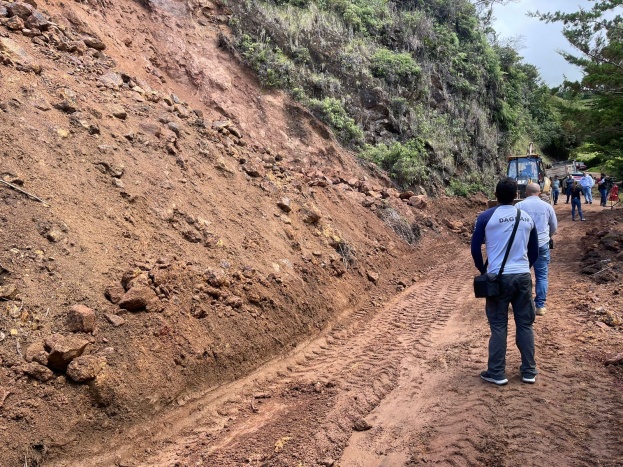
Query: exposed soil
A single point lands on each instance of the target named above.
(213, 281)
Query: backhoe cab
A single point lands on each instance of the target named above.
(526, 169)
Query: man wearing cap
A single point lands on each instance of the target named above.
(546, 224)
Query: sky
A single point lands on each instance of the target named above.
(540, 40)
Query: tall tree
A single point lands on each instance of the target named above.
(597, 33)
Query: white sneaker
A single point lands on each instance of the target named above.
(541, 311)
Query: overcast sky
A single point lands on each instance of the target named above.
(540, 40)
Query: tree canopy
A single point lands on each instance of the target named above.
(594, 107)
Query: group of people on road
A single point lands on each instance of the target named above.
(530, 247)
(516, 247)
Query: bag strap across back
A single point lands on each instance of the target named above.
(510, 241)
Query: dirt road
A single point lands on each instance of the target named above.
(398, 385)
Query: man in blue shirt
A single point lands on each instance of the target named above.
(544, 218)
(494, 228)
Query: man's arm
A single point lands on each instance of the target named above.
(533, 246)
(478, 238)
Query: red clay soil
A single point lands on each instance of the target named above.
(213, 281)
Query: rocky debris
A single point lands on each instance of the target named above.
(454, 226)
(63, 349)
(326, 462)
(115, 320)
(12, 53)
(137, 298)
(81, 318)
(38, 371)
(85, 368)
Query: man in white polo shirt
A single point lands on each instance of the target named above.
(494, 228)
(544, 217)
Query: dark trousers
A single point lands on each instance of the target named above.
(515, 289)
(603, 192)
(568, 195)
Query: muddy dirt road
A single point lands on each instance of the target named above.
(398, 385)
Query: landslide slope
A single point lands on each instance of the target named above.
(194, 225)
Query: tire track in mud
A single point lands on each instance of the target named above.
(360, 363)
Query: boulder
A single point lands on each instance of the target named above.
(63, 349)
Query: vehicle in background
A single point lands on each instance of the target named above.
(563, 168)
(527, 169)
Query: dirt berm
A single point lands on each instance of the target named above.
(182, 226)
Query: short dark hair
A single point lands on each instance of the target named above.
(506, 190)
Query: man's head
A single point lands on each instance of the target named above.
(603, 175)
(532, 189)
(506, 190)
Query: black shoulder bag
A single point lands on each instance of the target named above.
(488, 284)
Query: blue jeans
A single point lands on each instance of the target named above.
(541, 266)
(555, 193)
(576, 202)
(588, 196)
(515, 289)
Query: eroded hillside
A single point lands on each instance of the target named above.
(193, 225)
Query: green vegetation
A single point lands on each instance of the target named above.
(592, 110)
(421, 87)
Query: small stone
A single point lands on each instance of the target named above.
(81, 318)
(8, 291)
(119, 112)
(284, 204)
(373, 276)
(137, 298)
(63, 349)
(38, 371)
(94, 43)
(21, 9)
(361, 425)
(85, 368)
(115, 320)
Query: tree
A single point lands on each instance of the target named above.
(597, 33)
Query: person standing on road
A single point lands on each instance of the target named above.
(555, 188)
(568, 184)
(544, 218)
(587, 183)
(494, 228)
(576, 200)
(602, 186)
